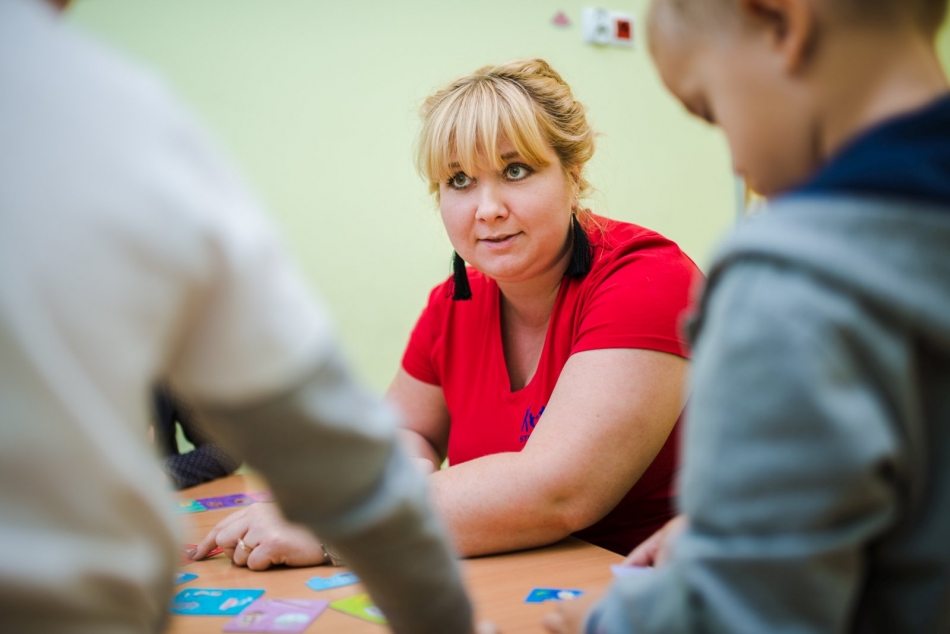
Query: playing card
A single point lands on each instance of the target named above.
(213, 601)
(540, 595)
(189, 549)
(184, 577)
(360, 606)
(277, 615)
(620, 570)
(336, 581)
(225, 501)
(189, 506)
(261, 496)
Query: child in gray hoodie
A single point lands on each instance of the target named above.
(816, 483)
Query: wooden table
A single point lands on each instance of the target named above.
(498, 585)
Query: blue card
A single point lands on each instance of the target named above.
(189, 506)
(336, 581)
(184, 577)
(540, 595)
(213, 601)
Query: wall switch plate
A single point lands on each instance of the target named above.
(607, 28)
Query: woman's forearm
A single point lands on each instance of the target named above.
(497, 503)
(417, 446)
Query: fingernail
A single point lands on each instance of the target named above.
(191, 552)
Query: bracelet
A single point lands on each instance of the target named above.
(331, 555)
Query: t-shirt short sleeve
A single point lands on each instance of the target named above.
(638, 299)
(420, 358)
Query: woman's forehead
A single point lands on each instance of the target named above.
(502, 152)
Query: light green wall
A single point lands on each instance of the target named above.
(317, 103)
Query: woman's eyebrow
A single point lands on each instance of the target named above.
(504, 157)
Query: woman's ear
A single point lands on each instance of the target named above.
(574, 182)
(791, 27)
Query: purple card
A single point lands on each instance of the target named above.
(277, 615)
(261, 496)
(226, 501)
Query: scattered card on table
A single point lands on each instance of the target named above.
(277, 615)
(620, 570)
(213, 601)
(540, 595)
(336, 581)
(225, 501)
(360, 606)
(187, 555)
(189, 506)
(261, 496)
(184, 577)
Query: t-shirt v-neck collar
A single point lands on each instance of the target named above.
(498, 349)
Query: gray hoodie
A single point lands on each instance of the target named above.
(817, 448)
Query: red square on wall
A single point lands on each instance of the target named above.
(624, 32)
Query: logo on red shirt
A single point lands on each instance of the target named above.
(530, 420)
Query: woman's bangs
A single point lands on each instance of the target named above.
(467, 129)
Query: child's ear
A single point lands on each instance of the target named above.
(791, 25)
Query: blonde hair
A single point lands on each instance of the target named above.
(523, 101)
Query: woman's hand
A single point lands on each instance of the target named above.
(655, 551)
(258, 537)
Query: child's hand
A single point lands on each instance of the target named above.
(656, 550)
(570, 615)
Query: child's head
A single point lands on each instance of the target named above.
(789, 81)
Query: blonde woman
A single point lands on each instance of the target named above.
(550, 370)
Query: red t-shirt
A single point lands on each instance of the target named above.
(634, 297)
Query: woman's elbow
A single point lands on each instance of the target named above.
(574, 511)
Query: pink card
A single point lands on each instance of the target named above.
(277, 615)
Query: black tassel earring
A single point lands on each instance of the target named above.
(462, 290)
(582, 256)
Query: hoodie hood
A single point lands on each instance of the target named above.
(906, 158)
(874, 223)
(893, 258)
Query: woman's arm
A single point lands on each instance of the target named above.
(425, 433)
(606, 421)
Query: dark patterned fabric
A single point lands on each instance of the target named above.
(205, 462)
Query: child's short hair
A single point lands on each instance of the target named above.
(928, 15)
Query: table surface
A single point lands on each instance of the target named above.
(497, 585)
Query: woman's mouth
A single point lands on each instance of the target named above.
(500, 240)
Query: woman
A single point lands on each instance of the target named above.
(550, 371)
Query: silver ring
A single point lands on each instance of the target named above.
(244, 546)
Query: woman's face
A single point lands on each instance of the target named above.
(513, 224)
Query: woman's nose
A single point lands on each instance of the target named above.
(491, 204)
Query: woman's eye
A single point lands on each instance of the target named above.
(460, 180)
(517, 172)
